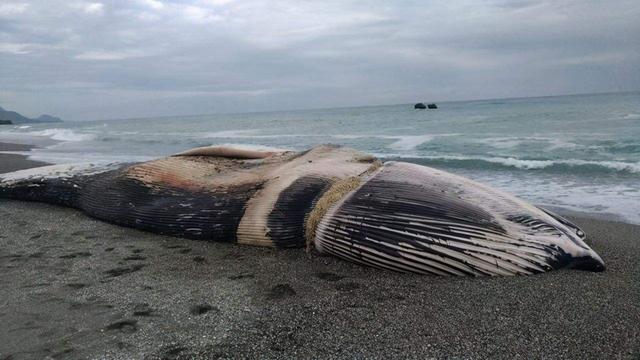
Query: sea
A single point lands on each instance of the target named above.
(577, 152)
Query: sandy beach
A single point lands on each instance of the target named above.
(74, 287)
(14, 162)
(259, 155)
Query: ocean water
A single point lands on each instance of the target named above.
(579, 152)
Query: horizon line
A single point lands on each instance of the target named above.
(355, 106)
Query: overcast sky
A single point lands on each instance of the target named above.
(85, 60)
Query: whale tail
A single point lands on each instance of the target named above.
(54, 184)
(104, 191)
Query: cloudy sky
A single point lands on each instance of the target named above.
(86, 60)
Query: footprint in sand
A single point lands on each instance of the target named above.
(126, 326)
(349, 286)
(199, 259)
(328, 276)
(281, 291)
(119, 271)
(76, 255)
(142, 310)
(77, 285)
(202, 309)
(241, 276)
(134, 257)
(174, 352)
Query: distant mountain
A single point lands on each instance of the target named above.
(16, 118)
(47, 118)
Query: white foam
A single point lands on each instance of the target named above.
(403, 142)
(251, 134)
(347, 136)
(502, 143)
(520, 164)
(631, 116)
(25, 138)
(561, 144)
(410, 142)
(63, 135)
(541, 164)
(229, 134)
(512, 142)
(633, 167)
(621, 200)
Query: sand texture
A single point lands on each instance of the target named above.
(14, 162)
(74, 287)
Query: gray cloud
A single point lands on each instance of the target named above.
(129, 58)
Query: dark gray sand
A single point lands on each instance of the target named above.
(14, 147)
(13, 162)
(74, 287)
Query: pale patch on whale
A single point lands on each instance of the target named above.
(395, 216)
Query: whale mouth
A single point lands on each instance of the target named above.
(591, 262)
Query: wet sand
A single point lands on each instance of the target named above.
(74, 287)
(14, 162)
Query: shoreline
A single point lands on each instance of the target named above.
(10, 162)
(15, 162)
(75, 287)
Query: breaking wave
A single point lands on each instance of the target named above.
(575, 165)
(631, 116)
(63, 135)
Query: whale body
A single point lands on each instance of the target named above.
(393, 215)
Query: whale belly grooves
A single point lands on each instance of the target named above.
(55, 184)
(412, 218)
(396, 216)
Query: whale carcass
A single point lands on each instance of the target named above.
(393, 215)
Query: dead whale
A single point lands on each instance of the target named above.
(339, 201)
